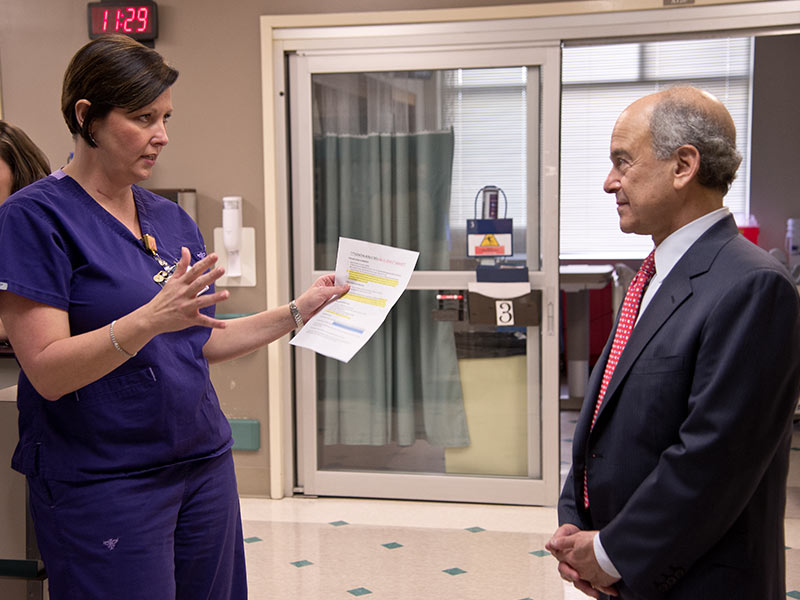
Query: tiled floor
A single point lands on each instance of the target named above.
(331, 548)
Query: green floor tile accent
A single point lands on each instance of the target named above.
(475, 529)
(392, 545)
(793, 594)
(250, 540)
(454, 571)
(540, 553)
(302, 563)
(338, 523)
(359, 591)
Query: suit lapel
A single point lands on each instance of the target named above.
(674, 291)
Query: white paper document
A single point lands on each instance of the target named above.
(377, 275)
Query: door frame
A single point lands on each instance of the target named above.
(542, 390)
(524, 24)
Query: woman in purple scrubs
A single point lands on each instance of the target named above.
(21, 163)
(108, 297)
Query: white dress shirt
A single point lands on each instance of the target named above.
(668, 253)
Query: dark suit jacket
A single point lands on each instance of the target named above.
(688, 459)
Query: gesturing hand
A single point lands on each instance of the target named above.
(177, 306)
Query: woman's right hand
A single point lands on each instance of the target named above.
(57, 363)
(177, 306)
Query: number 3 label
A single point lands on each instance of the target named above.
(505, 312)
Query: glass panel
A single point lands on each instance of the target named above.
(697, 59)
(594, 64)
(399, 159)
(433, 394)
(601, 77)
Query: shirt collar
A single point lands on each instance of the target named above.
(675, 245)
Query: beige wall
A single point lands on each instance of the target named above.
(215, 143)
(215, 133)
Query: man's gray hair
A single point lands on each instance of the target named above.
(675, 122)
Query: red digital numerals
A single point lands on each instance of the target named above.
(131, 19)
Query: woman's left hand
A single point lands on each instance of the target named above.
(177, 306)
(321, 292)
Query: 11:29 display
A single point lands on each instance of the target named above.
(138, 20)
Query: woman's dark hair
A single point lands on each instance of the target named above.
(26, 161)
(112, 71)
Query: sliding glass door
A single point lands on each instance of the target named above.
(455, 397)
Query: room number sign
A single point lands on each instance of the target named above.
(504, 310)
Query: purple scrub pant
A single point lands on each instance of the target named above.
(170, 534)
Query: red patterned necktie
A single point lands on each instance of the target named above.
(627, 319)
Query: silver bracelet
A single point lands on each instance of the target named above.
(298, 318)
(116, 344)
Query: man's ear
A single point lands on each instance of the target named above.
(687, 164)
(81, 108)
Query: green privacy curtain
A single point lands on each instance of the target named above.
(404, 385)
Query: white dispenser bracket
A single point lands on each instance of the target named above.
(247, 259)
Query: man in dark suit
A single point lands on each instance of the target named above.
(678, 481)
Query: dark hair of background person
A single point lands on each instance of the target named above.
(26, 161)
(112, 71)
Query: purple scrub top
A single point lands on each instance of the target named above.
(61, 248)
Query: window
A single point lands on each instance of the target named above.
(487, 109)
(598, 82)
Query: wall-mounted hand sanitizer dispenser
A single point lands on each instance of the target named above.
(232, 233)
(235, 245)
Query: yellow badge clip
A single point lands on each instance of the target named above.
(149, 243)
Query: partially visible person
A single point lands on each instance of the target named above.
(680, 456)
(108, 296)
(21, 163)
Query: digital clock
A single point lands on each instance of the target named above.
(138, 20)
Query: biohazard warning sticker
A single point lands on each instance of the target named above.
(489, 240)
(489, 237)
(490, 246)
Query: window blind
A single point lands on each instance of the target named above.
(598, 83)
(487, 110)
